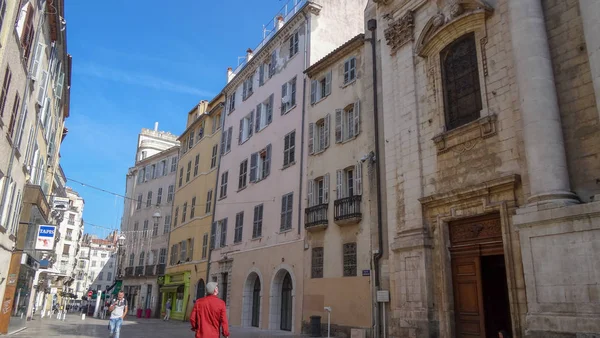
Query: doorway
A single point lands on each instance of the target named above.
(200, 289)
(256, 303)
(286, 303)
(481, 303)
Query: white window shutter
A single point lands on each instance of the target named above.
(311, 138)
(229, 135)
(311, 185)
(356, 118)
(258, 116)
(338, 184)
(270, 109)
(39, 51)
(358, 179)
(42, 87)
(253, 167)
(59, 85)
(261, 75)
(326, 124)
(313, 91)
(283, 95)
(250, 123)
(328, 83)
(241, 131)
(268, 161)
(223, 143)
(326, 188)
(338, 126)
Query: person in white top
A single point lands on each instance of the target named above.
(118, 311)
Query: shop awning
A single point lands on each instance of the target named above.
(170, 287)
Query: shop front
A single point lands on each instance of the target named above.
(176, 288)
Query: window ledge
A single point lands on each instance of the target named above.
(281, 232)
(467, 136)
(259, 238)
(290, 109)
(237, 243)
(351, 82)
(288, 165)
(319, 152)
(242, 188)
(248, 96)
(319, 100)
(222, 198)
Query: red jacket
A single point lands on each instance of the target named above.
(208, 315)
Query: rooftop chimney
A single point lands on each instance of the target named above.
(229, 74)
(155, 126)
(279, 22)
(249, 54)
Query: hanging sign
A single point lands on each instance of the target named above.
(45, 238)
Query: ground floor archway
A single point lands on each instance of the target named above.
(282, 299)
(252, 300)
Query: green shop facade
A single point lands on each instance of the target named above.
(176, 287)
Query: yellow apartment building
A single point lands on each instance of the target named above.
(194, 202)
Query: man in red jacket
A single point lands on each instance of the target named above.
(209, 314)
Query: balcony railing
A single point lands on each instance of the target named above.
(347, 210)
(316, 217)
(139, 270)
(149, 270)
(129, 271)
(160, 269)
(68, 238)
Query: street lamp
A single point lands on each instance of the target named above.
(156, 216)
(121, 242)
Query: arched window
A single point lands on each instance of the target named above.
(200, 289)
(142, 257)
(460, 76)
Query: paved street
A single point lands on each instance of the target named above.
(73, 327)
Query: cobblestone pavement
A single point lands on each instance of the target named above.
(73, 327)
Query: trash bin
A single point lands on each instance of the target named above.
(315, 326)
(139, 313)
(148, 313)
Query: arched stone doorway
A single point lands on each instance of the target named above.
(282, 298)
(251, 301)
(200, 289)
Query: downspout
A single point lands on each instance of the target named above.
(372, 26)
(306, 46)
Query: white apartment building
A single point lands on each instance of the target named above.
(71, 234)
(102, 263)
(258, 230)
(146, 222)
(82, 282)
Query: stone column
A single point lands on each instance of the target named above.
(542, 131)
(590, 16)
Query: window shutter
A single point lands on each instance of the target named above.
(326, 124)
(273, 64)
(261, 75)
(283, 209)
(311, 138)
(313, 91)
(356, 118)
(283, 94)
(229, 135)
(250, 124)
(326, 188)
(244, 89)
(358, 179)
(270, 109)
(338, 187)
(39, 51)
(224, 233)
(241, 131)
(338, 126)
(223, 142)
(59, 86)
(268, 161)
(42, 87)
(328, 83)
(293, 94)
(253, 166)
(311, 185)
(258, 116)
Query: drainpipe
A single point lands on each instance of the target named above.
(372, 26)
(306, 46)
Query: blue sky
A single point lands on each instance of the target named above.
(138, 62)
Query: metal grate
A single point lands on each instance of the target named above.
(349, 259)
(317, 263)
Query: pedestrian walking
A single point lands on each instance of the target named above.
(209, 315)
(118, 311)
(168, 310)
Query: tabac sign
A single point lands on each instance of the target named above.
(45, 237)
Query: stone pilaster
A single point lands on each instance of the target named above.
(590, 16)
(542, 131)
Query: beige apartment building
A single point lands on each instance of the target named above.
(340, 212)
(193, 208)
(490, 143)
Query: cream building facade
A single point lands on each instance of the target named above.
(489, 152)
(258, 229)
(193, 208)
(71, 235)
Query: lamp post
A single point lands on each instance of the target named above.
(120, 243)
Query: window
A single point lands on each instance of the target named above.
(293, 41)
(242, 180)
(93, 264)
(131, 259)
(264, 113)
(27, 36)
(201, 130)
(174, 164)
(223, 229)
(160, 169)
(174, 254)
(320, 88)
(224, 179)
(273, 64)
(349, 70)
(183, 251)
(318, 135)
(349, 181)
(180, 176)
(288, 96)
(196, 164)
(101, 275)
(239, 227)
(167, 224)
(460, 78)
(145, 229)
(184, 212)
(109, 276)
(2, 11)
(208, 201)
(159, 196)
(349, 259)
(247, 87)
(176, 216)
(149, 173)
(13, 117)
(141, 174)
(289, 149)
(287, 202)
(260, 164)
(5, 88)
(138, 205)
(261, 74)
(71, 220)
(213, 235)
(149, 199)
(224, 286)
(170, 193)
(188, 172)
(317, 263)
(141, 259)
(153, 171)
(193, 208)
(155, 228)
(246, 125)
(318, 191)
(213, 160)
(204, 246)
(216, 123)
(231, 103)
(347, 123)
(226, 140)
(257, 223)
(162, 257)
(191, 140)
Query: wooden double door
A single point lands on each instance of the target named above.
(481, 303)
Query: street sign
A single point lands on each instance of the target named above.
(45, 238)
(383, 296)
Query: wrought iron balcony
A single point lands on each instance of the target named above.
(150, 270)
(139, 270)
(129, 271)
(316, 217)
(347, 210)
(160, 269)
